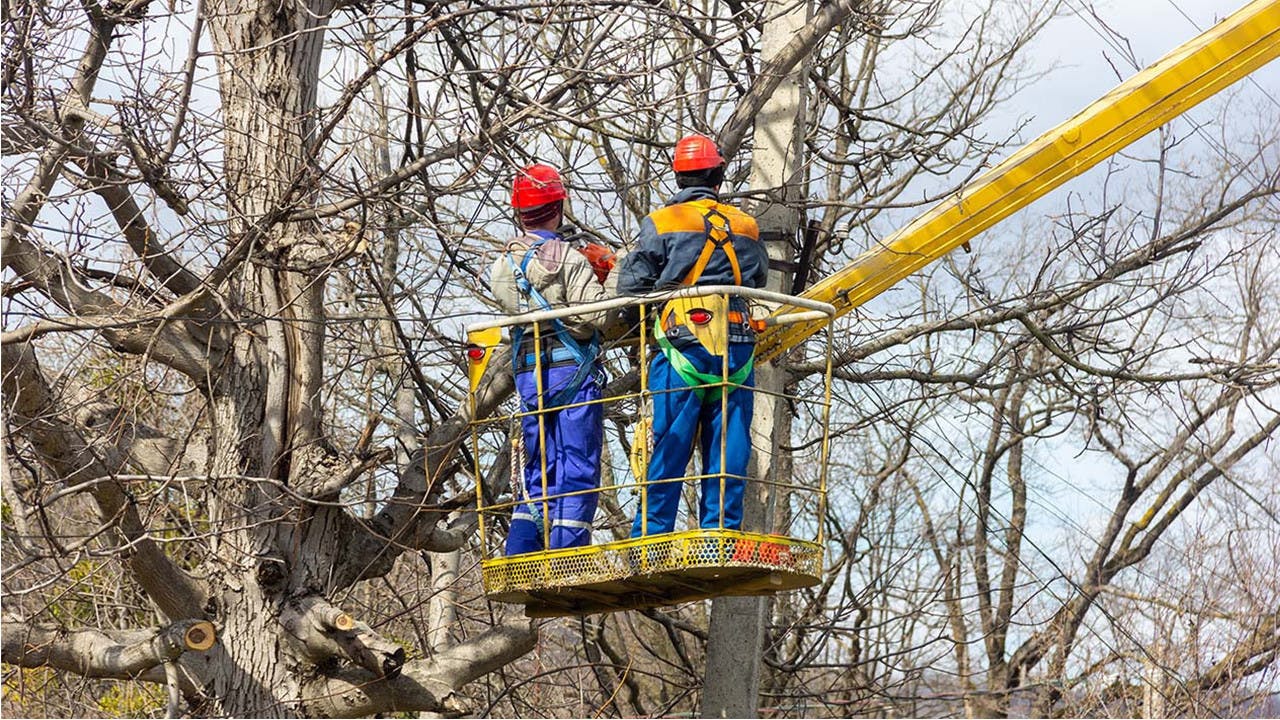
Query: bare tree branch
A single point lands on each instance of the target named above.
(35, 411)
(776, 70)
(120, 655)
(424, 685)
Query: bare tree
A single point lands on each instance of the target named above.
(978, 572)
(206, 226)
(236, 271)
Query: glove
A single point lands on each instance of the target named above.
(601, 258)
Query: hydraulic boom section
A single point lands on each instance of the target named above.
(1227, 52)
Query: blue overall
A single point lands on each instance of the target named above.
(681, 418)
(573, 438)
(670, 252)
(570, 438)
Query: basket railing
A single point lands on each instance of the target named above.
(632, 400)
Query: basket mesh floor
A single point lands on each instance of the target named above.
(648, 572)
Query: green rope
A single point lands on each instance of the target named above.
(693, 377)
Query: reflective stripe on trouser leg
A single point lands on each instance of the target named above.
(571, 520)
(574, 437)
(525, 534)
(677, 412)
(737, 447)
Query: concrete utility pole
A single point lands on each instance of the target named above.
(731, 686)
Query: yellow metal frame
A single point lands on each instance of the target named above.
(657, 569)
(1227, 52)
(651, 571)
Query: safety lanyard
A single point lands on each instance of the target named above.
(695, 378)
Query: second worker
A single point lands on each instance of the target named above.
(698, 240)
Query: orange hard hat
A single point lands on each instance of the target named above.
(696, 152)
(536, 185)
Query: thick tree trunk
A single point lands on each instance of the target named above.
(265, 402)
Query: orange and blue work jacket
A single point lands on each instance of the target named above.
(672, 244)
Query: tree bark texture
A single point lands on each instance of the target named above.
(280, 551)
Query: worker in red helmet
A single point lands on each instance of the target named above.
(698, 240)
(557, 370)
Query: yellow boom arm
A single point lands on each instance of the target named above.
(1235, 47)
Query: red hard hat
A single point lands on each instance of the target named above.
(536, 185)
(696, 152)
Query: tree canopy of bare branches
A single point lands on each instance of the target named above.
(240, 239)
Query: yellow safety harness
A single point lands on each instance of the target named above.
(706, 318)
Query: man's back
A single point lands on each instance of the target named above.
(672, 238)
(555, 270)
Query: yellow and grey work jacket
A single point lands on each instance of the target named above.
(696, 240)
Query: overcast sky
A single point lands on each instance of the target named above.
(1082, 62)
(1073, 49)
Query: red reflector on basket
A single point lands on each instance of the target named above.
(475, 353)
(700, 316)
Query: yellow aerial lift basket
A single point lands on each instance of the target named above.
(779, 547)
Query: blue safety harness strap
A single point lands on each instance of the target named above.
(585, 357)
(554, 356)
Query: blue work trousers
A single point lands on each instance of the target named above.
(573, 437)
(681, 418)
